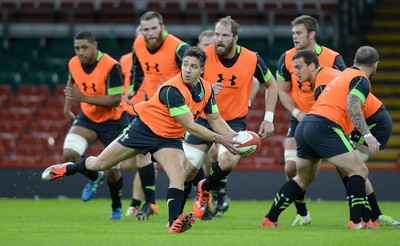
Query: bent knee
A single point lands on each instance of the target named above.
(290, 169)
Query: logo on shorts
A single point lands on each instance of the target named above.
(126, 136)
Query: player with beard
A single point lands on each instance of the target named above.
(220, 197)
(230, 68)
(297, 97)
(157, 57)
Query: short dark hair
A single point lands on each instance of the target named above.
(197, 52)
(309, 22)
(308, 56)
(150, 15)
(85, 35)
(366, 55)
(228, 21)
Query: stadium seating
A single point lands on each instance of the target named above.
(5, 94)
(117, 12)
(29, 61)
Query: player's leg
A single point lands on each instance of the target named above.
(381, 129)
(78, 139)
(195, 154)
(308, 170)
(137, 191)
(147, 174)
(173, 162)
(219, 171)
(302, 216)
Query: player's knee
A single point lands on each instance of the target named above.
(364, 157)
(194, 155)
(290, 169)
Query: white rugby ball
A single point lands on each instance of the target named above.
(250, 142)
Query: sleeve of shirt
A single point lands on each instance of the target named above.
(262, 73)
(211, 106)
(339, 63)
(318, 91)
(173, 99)
(281, 71)
(180, 51)
(115, 81)
(360, 87)
(137, 74)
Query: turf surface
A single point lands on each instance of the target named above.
(72, 222)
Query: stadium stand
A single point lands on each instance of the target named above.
(36, 44)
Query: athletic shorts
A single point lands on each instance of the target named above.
(318, 137)
(380, 124)
(292, 126)
(106, 131)
(238, 124)
(139, 136)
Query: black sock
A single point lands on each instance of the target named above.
(200, 176)
(300, 204)
(79, 167)
(368, 215)
(374, 205)
(115, 190)
(147, 176)
(286, 195)
(216, 175)
(174, 201)
(355, 191)
(135, 203)
(345, 180)
(187, 189)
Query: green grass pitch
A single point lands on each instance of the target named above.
(72, 222)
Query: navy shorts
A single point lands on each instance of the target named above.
(380, 125)
(238, 124)
(318, 137)
(139, 136)
(106, 131)
(292, 126)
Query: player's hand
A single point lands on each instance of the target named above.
(128, 96)
(266, 130)
(228, 142)
(217, 87)
(301, 116)
(69, 117)
(373, 144)
(74, 94)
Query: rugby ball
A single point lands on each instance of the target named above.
(250, 142)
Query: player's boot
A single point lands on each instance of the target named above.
(55, 171)
(266, 223)
(357, 226)
(132, 211)
(302, 220)
(387, 220)
(91, 187)
(222, 203)
(182, 223)
(147, 210)
(202, 198)
(116, 214)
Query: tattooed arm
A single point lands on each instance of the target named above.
(354, 104)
